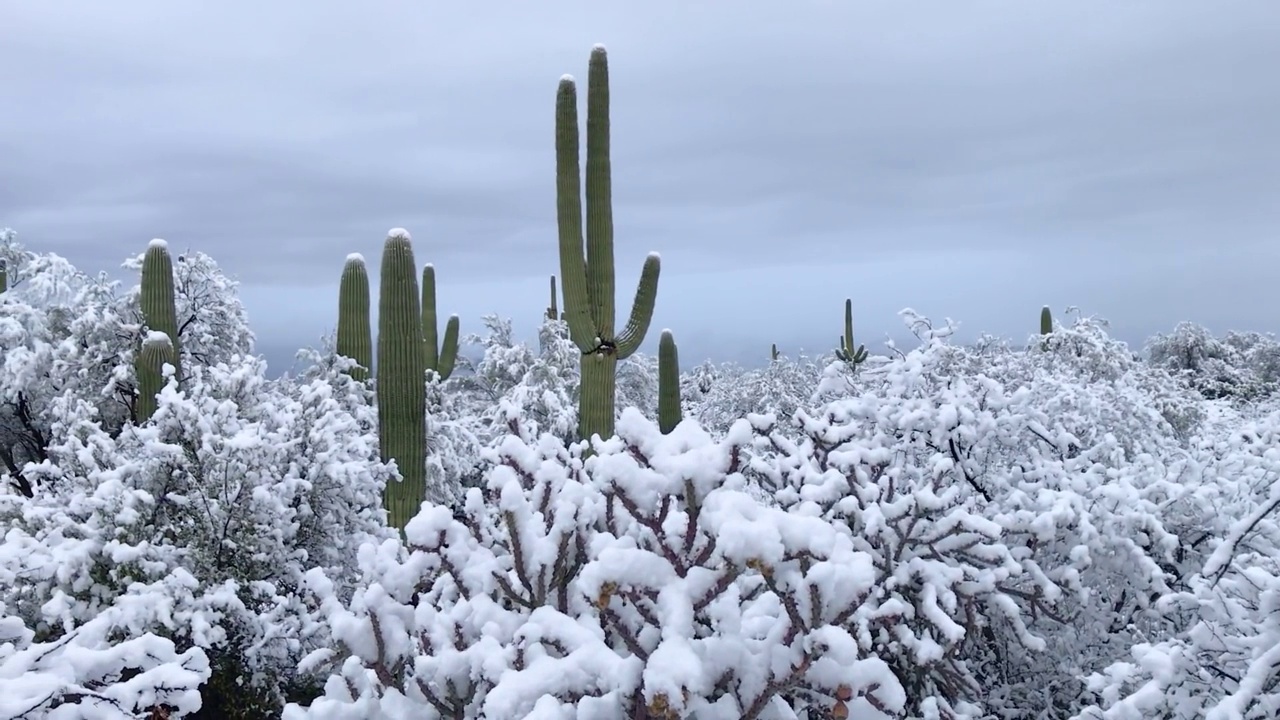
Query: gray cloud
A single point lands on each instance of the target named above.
(958, 158)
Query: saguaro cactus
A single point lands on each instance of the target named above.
(4, 279)
(553, 312)
(588, 281)
(1046, 321)
(159, 308)
(355, 333)
(401, 387)
(440, 359)
(669, 414)
(773, 352)
(848, 352)
(157, 349)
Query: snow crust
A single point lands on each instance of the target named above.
(159, 244)
(398, 233)
(355, 258)
(156, 337)
(566, 78)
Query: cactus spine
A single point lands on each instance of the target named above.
(159, 308)
(401, 388)
(355, 334)
(847, 351)
(588, 282)
(157, 350)
(440, 359)
(669, 415)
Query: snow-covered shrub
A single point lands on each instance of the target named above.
(1223, 663)
(781, 388)
(1241, 366)
(91, 673)
(230, 494)
(642, 583)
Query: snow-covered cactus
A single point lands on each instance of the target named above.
(848, 352)
(159, 307)
(668, 383)
(402, 399)
(440, 358)
(589, 281)
(355, 334)
(157, 351)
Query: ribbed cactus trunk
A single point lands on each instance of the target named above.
(588, 282)
(850, 352)
(355, 332)
(158, 303)
(773, 352)
(1046, 321)
(4, 277)
(401, 389)
(440, 359)
(156, 351)
(669, 414)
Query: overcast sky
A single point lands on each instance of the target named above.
(968, 159)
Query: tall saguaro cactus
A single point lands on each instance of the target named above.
(401, 388)
(669, 414)
(1046, 321)
(157, 349)
(158, 303)
(440, 359)
(588, 282)
(848, 352)
(355, 332)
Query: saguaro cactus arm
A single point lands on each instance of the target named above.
(439, 358)
(157, 350)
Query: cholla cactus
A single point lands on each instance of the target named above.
(355, 333)
(669, 414)
(589, 281)
(847, 351)
(440, 359)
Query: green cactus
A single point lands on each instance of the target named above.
(847, 352)
(159, 308)
(1046, 326)
(355, 334)
(440, 359)
(553, 313)
(773, 352)
(401, 386)
(4, 276)
(669, 415)
(157, 350)
(588, 283)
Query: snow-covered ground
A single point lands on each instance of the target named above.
(1006, 530)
